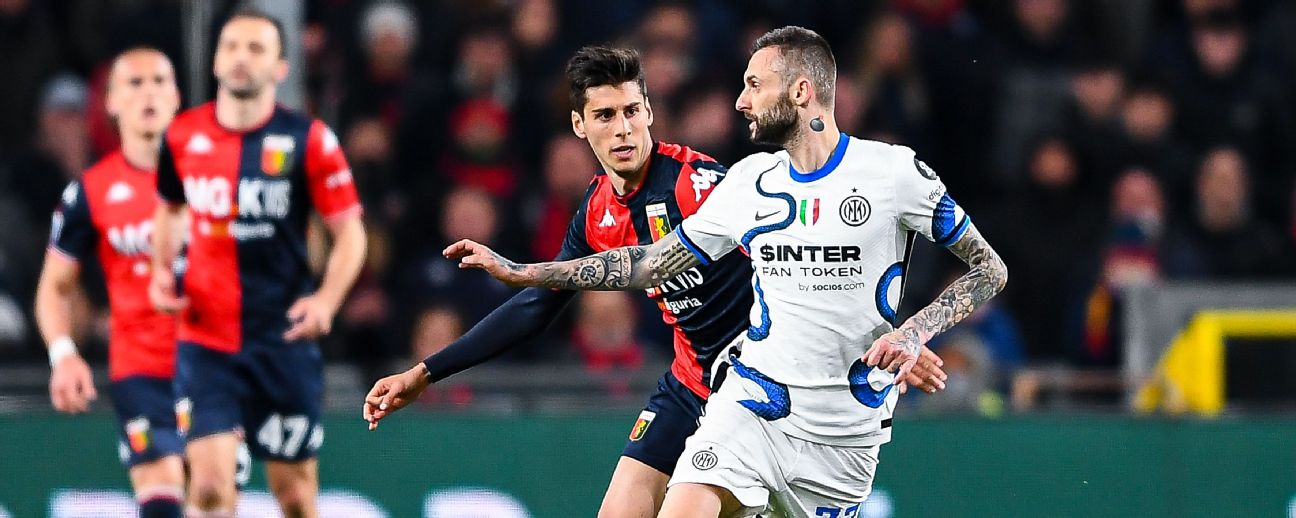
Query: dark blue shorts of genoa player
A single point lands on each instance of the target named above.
(269, 393)
(145, 408)
(671, 416)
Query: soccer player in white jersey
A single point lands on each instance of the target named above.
(829, 221)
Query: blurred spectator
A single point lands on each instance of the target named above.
(1130, 257)
(1147, 118)
(1093, 119)
(33, 180)
(604, 337)
(706, 123)
(1036, 53)
(435, 327)
(1224, 240)
(29, 52)
(364, 323)
(478, 156)
(432, 279)
(568, 168)
(894, 95)
(486, 68)
(1046, 237)
(388, 33)
(369, 150)
(1227, 96)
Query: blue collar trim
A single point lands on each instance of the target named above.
(828, 167)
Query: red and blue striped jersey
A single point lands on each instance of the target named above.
(707, 306)
(249, 195)
(109, 212)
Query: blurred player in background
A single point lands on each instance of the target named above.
(829, 223)
(109, 212)
(644, 190)
(248, 172)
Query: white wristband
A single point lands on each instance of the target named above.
(61, 348)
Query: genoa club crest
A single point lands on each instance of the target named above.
(276, 153)
(641, 426)
(658, 223)
(137, 434)
(183, 412)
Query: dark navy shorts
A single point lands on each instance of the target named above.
(146, 414)
(671, 416)
(269, 393)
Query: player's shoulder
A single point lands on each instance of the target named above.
(757, 163)
(680, 153)
(107, 170)
(192, 130)
(875, 150)
(893, 160)
(197, 118)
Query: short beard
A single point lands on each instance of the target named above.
(777, 125)
(250, 92)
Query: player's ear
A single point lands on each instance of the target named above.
(648, 109)
(800, 93)
(281, 70)
(578, 124)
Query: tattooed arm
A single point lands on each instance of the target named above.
(626, 268)
(899, 348)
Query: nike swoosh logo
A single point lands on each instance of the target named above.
(760, 216)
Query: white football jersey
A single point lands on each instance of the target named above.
(829, 249)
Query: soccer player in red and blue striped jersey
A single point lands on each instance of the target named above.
(108, 215)
(249, 173)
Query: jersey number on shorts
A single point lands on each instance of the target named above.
(284, 435)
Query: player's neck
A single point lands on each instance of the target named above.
(623, 185)
(141, 151)
(811, 149)
(238, 114)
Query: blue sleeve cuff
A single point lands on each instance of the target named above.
(688, 243)
(958, 233)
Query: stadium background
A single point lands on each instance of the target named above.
(1132, 160)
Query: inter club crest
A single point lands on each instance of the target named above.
(276, 153)
(641, 426)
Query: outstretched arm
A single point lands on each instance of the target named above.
(987, 277)
(625, 268)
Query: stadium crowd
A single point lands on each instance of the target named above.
(1098, 145)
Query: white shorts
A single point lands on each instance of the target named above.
(771, 472)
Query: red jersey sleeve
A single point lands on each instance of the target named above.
(696, 181)
(332, 189)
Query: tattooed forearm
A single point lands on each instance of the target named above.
(627, 268)
(987, 277)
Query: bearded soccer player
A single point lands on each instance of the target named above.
(109, 213)
(829, 220)
(643, 191)
(249, 173)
